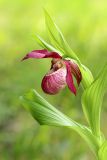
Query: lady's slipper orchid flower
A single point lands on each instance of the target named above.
(61, 72)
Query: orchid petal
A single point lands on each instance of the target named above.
(76, 71)
(69, 78)
(42, 54)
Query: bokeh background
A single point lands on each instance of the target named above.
(84, 24)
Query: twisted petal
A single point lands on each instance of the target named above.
(69, 78)
(75, 71)
(42, 54)
(53, 82)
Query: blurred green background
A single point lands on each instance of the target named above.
(84, 24)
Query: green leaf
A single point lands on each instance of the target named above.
(58, 39)
(43, 112)
(46, 114)
(87, 77)
(92, 101)
(102, 154)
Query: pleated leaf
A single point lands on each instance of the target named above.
(92, 100)
(58, 39)
(87, 77)
(103, 151)
(46, 114)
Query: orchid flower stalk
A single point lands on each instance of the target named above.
(65, 66)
